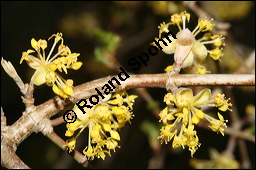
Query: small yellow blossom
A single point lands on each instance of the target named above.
(103, 121)
(163, 28)
(216, 53)
(221, 102)
(25, 55)
(201, 69)
(71, 143)
(204, 24)
(217, 125)
(188, 50)
(218, 40)
(183, 111)
(176, 18)
(46, 66)
(217, 161)
(119, 99)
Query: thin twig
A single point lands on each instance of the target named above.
(28, 98)
(3, 119)
(148, 98)
(246, 164)
(10, 70)
(248, 66)
(57, 121)
(240, 134)
(235, 121)
(80, 158)
(236, 125)
(229, 131)
(26, 89)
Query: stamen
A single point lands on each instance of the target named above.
(184, 22)
(85, 126)
(195, 30)
(43, 54)
(41, 58)
(50, 53)
(210, 42)
(56, 55)
(60, 82)
(197, 33)
(179, 26)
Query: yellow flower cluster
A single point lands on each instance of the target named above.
(187, 50)
(217, 161)
(103, 121)
(183, 111)
(46, 66)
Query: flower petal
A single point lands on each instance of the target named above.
(199, 50)
(39, 76)
(33, 62)
(34, 44)
(188, 61)
(171, 48)
(201, 98)
(181, 54)
(186, 93)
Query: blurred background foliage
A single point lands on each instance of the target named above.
(107, 34)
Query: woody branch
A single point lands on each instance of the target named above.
(41, 114)
(20, 129)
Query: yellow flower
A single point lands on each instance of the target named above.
(217, 125)
(217, 161)
(216, 53)
(221, 102)
(165, 116)
(46, 66)
(200, 69)
(167, 133)
(188, 51)
(218, 40)
(119, 100)
(103, 121)
(204, 24)
(185, 109)
(176, 18)
(71, 143)
(163, 28)
(25, 55)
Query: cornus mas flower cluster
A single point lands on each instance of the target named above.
(103, 121)
(183, 111)
(46, 66)
(189, 51)
(217, 160)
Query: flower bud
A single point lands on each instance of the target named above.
(185, 37)
(199, 50)
(170, 49)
